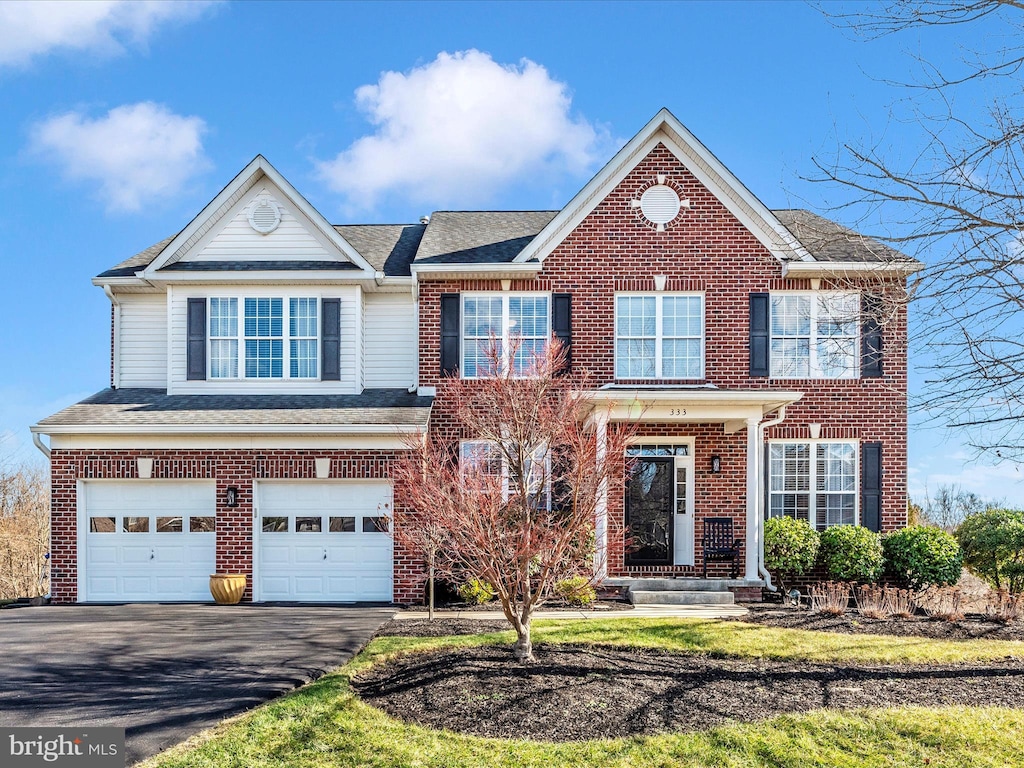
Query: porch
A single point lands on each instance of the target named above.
(698, 467)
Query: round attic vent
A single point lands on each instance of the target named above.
(660, 204)
(264, 216)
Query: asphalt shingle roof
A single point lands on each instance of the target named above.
(479, 237)
(828, 241)
(154, 407)
(390, 248)
(492, 237)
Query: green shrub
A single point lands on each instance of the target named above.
(790, 547)
(477, 592)
(920, 557)
(851, 553)
(576, 590)
(993, 545)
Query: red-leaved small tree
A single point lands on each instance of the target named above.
(514, 502)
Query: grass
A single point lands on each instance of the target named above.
(323, 725)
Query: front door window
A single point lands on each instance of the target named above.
(649, 511)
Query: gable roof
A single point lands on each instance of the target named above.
(249, 176)
(666, 129)
(828, 241)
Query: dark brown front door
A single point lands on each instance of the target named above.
(649, 511)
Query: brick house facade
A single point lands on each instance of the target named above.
(806, 419)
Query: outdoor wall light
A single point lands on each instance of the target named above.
(231, 496)
(716, 465)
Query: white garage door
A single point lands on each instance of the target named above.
(324, 542)
(146, 541)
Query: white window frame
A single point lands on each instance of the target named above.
(286, 337)
(814, 367)
(506, 332)
(659, 335)
(813, 493)
(467, 447)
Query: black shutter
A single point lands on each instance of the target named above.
(759, 334)
(871, 486)
(196, 348)
(871, 337)
(561, 325)
(330, 340)
(450, 310)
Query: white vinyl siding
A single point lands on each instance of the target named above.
(389, 353)
(815, 335)
(659, 336)
(814, 481)
(351, 345)
(232, 238)
(142, 340)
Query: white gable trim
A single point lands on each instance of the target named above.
(224, 202)
(664, 128)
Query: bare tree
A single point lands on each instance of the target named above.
(24, 531)
(511, 495)
(958, 202)
(949, 505)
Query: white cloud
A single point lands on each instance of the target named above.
(34, 28)
(994, 482)
(457, 129)
(137, 153)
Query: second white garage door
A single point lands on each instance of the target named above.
(324, 541)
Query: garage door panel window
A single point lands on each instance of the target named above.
(169, 525)
(102, 525)
(136, 525)
(202, 524)
(307, 524)
(375, 525)
(343, 525)
(275, 525)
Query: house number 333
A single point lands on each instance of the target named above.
(676, 411)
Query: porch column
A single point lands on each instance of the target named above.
(753, 540)
(601, 508)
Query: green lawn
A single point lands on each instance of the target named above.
(324, 726)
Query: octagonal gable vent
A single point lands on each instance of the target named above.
(264, 215)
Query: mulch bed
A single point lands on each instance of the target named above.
(580, 693)
(970, 628)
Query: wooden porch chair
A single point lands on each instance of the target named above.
(720, 544)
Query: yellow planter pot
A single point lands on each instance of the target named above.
(227, 588)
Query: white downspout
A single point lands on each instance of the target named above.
(38, 442)
(760, 498)
(415, 388)
(115, 352)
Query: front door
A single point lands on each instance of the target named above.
(649, 511)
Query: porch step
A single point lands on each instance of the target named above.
(679, 597)
(674, 585)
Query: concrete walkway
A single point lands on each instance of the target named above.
(640, 612)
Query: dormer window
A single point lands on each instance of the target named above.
(262, 337)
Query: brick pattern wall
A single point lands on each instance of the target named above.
(707, 250)
(239, 468)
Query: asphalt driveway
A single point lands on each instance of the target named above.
(165, 672)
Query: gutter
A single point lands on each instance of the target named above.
(38, 442)
(762, 571)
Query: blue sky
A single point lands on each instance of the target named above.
(119, 122)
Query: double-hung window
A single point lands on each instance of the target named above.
(480, 458)
(659, 336)
(274, 338)
(814, 481)
(815, 335)
(503, 332)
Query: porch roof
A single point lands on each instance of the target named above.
(688, 404)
